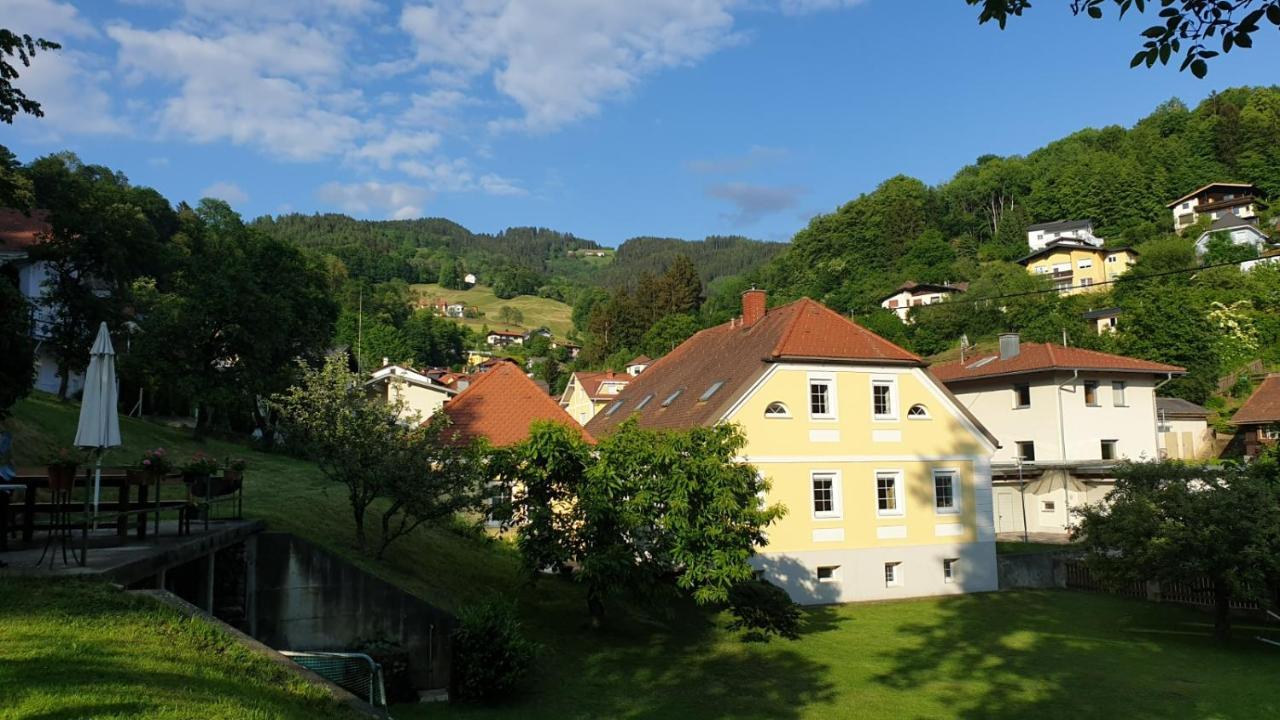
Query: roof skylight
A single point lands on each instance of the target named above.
(711, 391)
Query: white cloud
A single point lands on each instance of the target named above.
(756, 156)
(497, 185)
(46, 19)
(803, 7)
(394, 200)
(224, 190)
(753, 202)
(559, 59)
(456, 176)
(395, 145)
(70, 90)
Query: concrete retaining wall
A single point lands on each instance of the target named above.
(1034, 570)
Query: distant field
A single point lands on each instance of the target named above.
(537, 311)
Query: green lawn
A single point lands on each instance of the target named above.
(537, 311)
(86, 650)
(1005, 655)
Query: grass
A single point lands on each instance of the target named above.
(83, 649)
(997, 655)
(537, 311)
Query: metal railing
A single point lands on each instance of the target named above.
(355, 672)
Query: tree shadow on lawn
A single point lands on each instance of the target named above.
(1052, 654)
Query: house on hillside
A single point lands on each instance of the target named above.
(18, 234)
(589, 392)
(1240, 231)
(638, 364)
(911, 294)
(1258, 420)
(1041, 234)
(1074, 266)
(1064, 417)
(569, 348)
(469, 279)
(1216, 200)
(1184, 429)
(886, 477)
(500, 405)
(1106, 320)
(536, 332)
(503, 338)
(421, 394)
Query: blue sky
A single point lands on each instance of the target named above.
(605, 119)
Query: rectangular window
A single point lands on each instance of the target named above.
(1091, 393)
(822, 404)
(1117, 392)
(827, 573)
(889, 493)
(1022, 395)
(826, 494)
(949, 570)
(1108, 449)
(1270, 432)
(893, 574)
(1086, 282)
(946, 492)
(1084, 264)
(884, 398)
(1048, 506)
(1026, 450)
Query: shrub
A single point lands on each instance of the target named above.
(490, 653)
(763, 609)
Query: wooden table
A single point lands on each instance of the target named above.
(33, 479)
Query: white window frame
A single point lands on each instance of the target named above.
(1269, 432)
(786, 411)
(837, 496)
(1017, 401)
(924, 408)
(949, 570)
(1084, 264)
(899, 494)
(1086, 282)
(955, 491)
(891, 382)
(832, 403)
(896, 582)
(835, 574)
(1118, 390)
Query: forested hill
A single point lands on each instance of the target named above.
(715, 257)
(1119, 177)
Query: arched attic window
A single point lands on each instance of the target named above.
(777, 409)
(918, 412)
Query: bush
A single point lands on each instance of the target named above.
(763, 609)
(395, 662)
(490, 653)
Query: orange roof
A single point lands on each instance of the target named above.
(501, 404)
(1263, 406)
(19, 231)
(1038, 357)
(735, 355)
(590, 382)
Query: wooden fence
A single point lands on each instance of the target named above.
(1198, 593)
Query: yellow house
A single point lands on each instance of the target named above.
(1075, 267)
(589, 392)
(886, 479)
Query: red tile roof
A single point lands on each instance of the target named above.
(736, 355)
(1263, 406)
(501, 404)
(640, 360)
(19, 231)
(590, 382)
(1039, 357)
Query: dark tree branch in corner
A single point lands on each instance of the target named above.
(24, 47)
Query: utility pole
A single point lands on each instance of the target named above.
(1022, 494)
(360, 331)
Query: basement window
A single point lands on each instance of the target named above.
(827, 573)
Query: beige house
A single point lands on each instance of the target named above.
(420, 394)
(1217, 201)
(1106, 320)
(588, 392)
(1184, 429)
(913, 294)
(1064, 417)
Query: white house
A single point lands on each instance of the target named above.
(1241, 231)
(1184, 429)
(469, 278)
(1216, 200)
(420, 394)
(1041, 234)
(503, 338)
(910, 294)
(638, 365)
(18, 233)
(1064, 417)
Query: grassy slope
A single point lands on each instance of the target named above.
(537, 311)
(1007, 655)
(80, 649)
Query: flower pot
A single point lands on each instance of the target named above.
(194, 480)
(61, 477)
(151, 477)
(233, 478)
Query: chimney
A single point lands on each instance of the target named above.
(1010, 345)
(753, 302)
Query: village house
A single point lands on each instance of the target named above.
(569, 348)
(536, 332)
(1041, 234)
(1073, 266)
(1216, 200)
(444, 308)
(1240, 231)
(1064, 417)
(1184, 429)
(1258, 420)
(638, 364)
(589, 392)
(912, 294)
(501, 405)
(1104, 319)
(885, 476)
(503, 338)
(420, 394)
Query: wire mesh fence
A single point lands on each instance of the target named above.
(355, 672)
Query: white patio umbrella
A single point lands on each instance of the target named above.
(99, 427)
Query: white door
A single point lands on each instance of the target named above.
(1005, 521)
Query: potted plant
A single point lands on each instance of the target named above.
(199, 468)
(155, 464)
(233, 472)
(62, 463)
